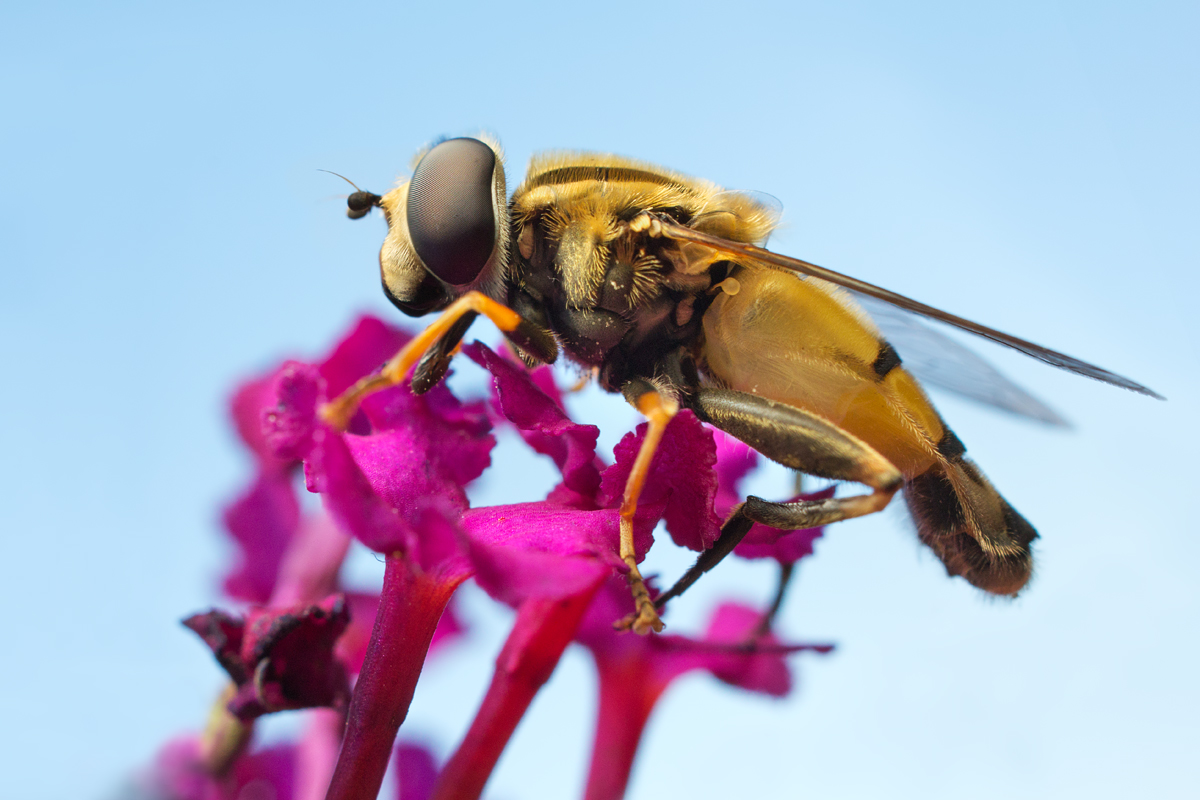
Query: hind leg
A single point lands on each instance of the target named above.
(797, 439)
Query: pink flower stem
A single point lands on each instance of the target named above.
(411, 604)
(627, 696)
(541, 633)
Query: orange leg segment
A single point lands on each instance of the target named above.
(337, 412)
(658, 411)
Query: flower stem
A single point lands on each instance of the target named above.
(225, 736)
(626, 699)
(409, 609)
(541, 633)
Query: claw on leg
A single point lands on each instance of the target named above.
(645, 616)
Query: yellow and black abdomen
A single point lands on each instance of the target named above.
(801, 341)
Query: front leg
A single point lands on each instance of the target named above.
(439, 340)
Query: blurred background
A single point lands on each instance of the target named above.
(1031, 165)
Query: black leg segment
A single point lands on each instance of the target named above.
(797, 439)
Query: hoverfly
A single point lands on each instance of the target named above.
(657, 281)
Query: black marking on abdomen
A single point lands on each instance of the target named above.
(950, 447)
(886, 361)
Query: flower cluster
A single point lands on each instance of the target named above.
(395, 481)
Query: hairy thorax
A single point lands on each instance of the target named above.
(615, 298)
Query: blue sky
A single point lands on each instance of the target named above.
(1031, 165)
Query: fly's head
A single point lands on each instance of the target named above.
(448, 226)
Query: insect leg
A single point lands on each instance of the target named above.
(658, 409)
(786, 571)
(797, 439)
(433, 365)
(519, 331)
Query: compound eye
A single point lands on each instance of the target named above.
(451, 209)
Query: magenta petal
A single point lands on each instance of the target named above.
(350, 499)
(246, 407)
(765, 672)
(725, 650)
(392, 497)
(223, 633)
(405, 469)
(534, 550)
(361, 352)
(309, 568)
(543, 378)
(681, 480)
(178, 774)
(548, 528)
(290, 423)
(422, 447)
(439, 549)
(262, 522)
(784, 546)
(415, 770)
(787, 547)
(542, 422)
(512, 575)
(611, 603)
(735, 460)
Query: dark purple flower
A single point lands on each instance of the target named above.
(279, 659)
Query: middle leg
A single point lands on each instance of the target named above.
(658, 408)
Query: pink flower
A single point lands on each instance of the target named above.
(547, 559)
(634, 671)
(396, 481)
(178, 774)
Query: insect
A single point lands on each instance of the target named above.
(657, 282)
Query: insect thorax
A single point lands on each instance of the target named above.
(616, 299)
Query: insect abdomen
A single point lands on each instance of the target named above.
(797, 342)
(973, 530)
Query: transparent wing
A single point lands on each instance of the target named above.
(938, 360)
(673, 230)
